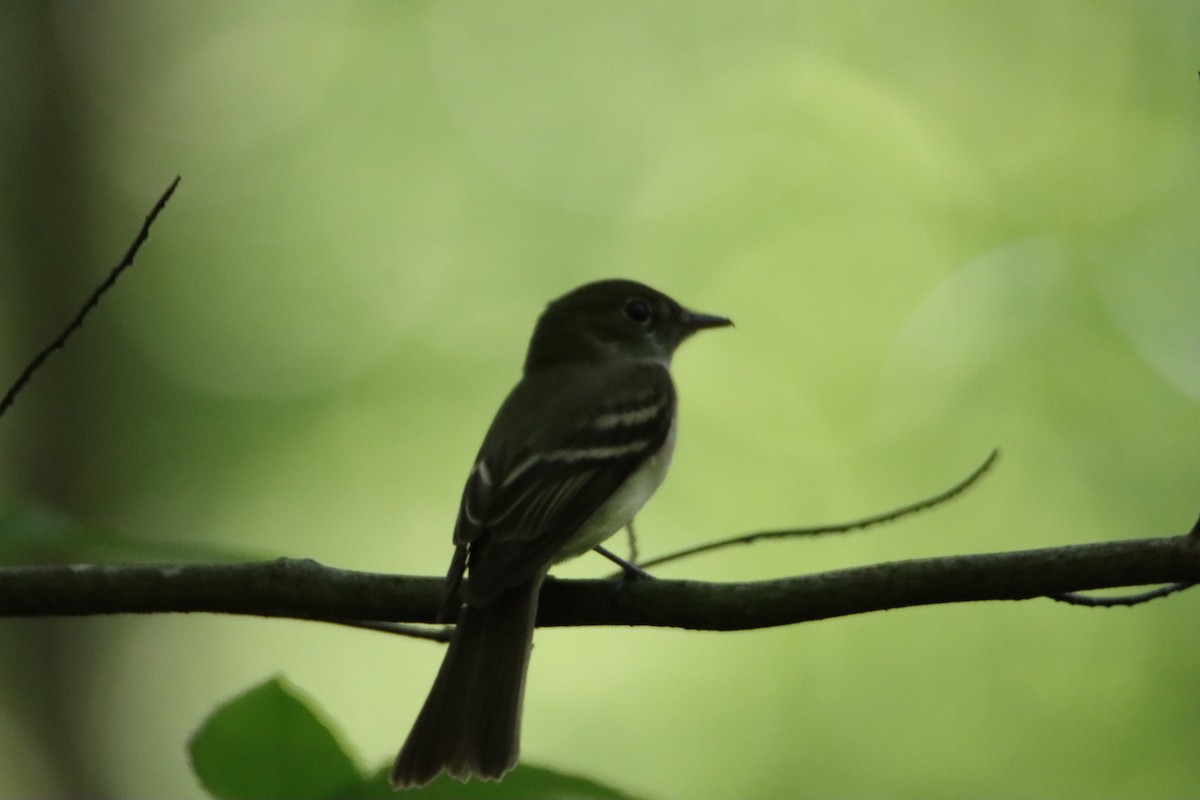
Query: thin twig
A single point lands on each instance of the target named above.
(75, 324)
(439, 633)
(842, 527)
(1076, 599)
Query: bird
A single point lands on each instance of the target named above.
(574, 452)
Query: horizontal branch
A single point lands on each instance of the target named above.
(304, 589)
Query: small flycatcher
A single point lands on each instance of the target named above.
(579, 445)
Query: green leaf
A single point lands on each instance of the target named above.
(268, 743)
(38, 535)
(523, 783)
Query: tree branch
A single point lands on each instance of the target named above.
(304, 589)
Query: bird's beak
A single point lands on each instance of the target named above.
(692, 321)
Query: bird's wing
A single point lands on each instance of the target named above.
(535, 484)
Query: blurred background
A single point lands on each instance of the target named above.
(940, 228)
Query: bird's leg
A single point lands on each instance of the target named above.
(629, 571)
(633, 549)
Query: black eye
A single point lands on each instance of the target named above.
(638, 310)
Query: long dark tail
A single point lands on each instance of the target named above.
(470, 725)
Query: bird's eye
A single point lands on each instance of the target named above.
(638, 310)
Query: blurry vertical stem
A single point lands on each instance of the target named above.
(46, 664)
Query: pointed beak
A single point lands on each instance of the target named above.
(693, 321)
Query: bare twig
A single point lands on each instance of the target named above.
(77, 322)
(841, 527)
(1076, 599)
(439, 633)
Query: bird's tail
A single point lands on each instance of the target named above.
(470, 725)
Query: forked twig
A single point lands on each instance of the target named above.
(1076, 599)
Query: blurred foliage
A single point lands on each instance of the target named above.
(33, 535)
(940, 228)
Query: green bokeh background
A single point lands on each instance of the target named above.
(940, 227)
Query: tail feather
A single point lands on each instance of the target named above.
(470, 725)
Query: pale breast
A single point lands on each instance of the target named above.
(620, 508)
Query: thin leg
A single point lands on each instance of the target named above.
(631, 571)
(633, 549)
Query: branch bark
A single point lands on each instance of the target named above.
(304, 589)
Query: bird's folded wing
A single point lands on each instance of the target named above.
(522, 505)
